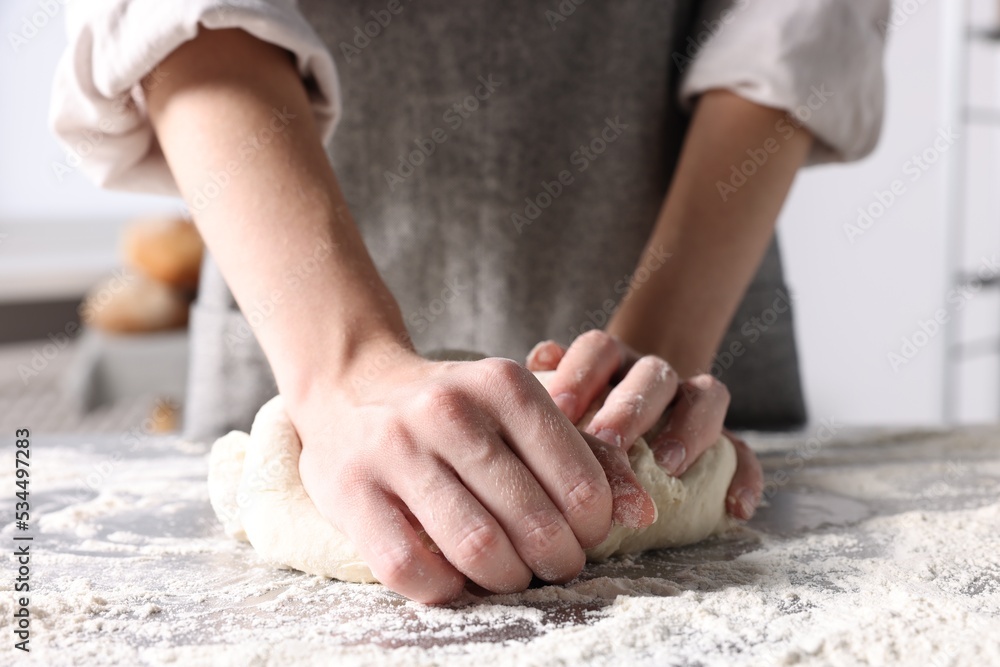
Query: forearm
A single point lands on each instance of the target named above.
(715, 240)
(234, 123)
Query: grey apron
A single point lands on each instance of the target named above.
(505, 162)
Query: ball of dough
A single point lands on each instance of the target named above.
(688, 508)
(255, 490)
(225, 470)
(267, 503)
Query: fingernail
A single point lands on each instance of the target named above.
(670, 455)
(566, 404)
(540, 351)
(609, 436)
(747, 505)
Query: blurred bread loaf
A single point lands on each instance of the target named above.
(168, 250)
(129, 302)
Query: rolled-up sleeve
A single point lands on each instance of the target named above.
(98, 105)
(821, 60)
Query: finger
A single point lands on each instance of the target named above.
(632, 507)
(551, 448)
(396, 555)
(586, 369)
(636, 403)
(545, 356)
(465, 532)
(694, 425)
(510, 493)
(747, 486)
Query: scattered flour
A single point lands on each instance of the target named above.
(137, 572)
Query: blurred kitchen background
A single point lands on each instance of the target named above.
(861, 297)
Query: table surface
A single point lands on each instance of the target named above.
(131, 567)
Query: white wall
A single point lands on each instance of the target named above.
(35, 205)
(29, 190)
(856, 301)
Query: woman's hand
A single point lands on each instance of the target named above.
(473, 453)
(476, 454)
(643, 388)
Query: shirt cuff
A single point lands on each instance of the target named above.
(98, 107)
(820, 60)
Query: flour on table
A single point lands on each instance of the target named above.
(130, 567)
(257, 494)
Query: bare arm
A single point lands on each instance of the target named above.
(715, 236)
(391, 442)
(235, 104)
(716, 239)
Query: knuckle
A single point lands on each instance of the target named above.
(505, 371)
(716, 389)
(399, 440)
(442, 402)
(509, 379)
(590, 495)
(481, 454)
(354, 479)
(623, 405)
(656, 367)
(599, 342)
(705, 387)
(694, 388)
(478, 545)
(398, 565)
(542, 530)
(618, 416)
(595, 337)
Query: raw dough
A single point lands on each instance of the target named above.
(256, 493)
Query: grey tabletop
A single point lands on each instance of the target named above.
(862, 535)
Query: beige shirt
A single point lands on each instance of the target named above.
(505, 161)
(820, 59)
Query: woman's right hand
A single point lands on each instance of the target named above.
(474, 453)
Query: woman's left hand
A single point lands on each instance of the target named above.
(643, 388)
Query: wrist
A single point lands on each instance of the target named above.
(351, 373)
